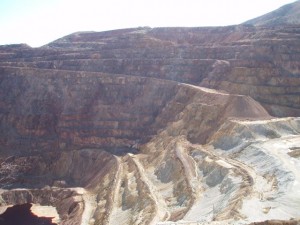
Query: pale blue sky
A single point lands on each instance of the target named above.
(38, 22)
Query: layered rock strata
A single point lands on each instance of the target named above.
(176, 171)
(261, 62)
(121, 127)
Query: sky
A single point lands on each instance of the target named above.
(38, 22)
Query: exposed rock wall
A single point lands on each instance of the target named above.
(113, 127)
(65, 110)
(262, 62)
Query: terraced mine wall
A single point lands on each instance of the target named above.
(261, 62)
(121, 127)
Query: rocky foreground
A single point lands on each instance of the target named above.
(149, 126)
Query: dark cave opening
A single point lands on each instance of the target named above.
(22, 215)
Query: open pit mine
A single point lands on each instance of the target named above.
(153, 126)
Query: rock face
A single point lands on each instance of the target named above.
(261, 62)
(146, 126)
(67, 110)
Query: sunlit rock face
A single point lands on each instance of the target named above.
(261, 62)
(148, 126)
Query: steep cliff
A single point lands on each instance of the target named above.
(150, 125)
(261, 62)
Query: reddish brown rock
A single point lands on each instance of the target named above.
(258, 61)
(114, 128)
